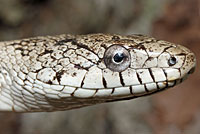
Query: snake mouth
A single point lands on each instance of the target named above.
(133, 96)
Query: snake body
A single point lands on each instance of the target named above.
(54, 73)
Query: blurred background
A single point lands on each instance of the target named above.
(175, 111)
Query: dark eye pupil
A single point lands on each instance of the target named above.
(118, 57)
(172, 61)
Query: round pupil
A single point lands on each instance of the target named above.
(172, 61)
(118, 57)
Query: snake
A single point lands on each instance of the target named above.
(63, 72)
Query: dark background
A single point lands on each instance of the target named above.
(175, 111)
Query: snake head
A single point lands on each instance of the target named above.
(65, 72)
(132, 66)
(148, 65)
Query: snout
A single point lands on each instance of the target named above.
(189, 65)
(191, 70)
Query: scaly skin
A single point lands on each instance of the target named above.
(64, 72)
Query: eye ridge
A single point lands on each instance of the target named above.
(172, 61)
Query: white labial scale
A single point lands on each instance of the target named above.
(93, 78)
(151, 86)
(161, 85)
(158, 74)
(103, 93)
(121, 91)
(130, 77)
(72, 76)
(138, 58)
(112, 78)
(171, 83)
(138, 89)
(144, 75)
(172, 74)
(84, 93)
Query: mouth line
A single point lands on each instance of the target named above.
(178, 81)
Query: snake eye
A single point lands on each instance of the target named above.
(172, 61)
(117, 58)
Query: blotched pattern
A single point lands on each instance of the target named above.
(66, 71)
